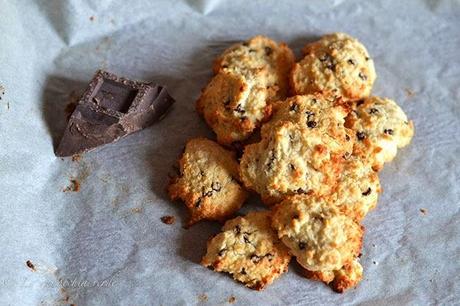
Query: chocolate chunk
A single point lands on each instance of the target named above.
(388, 131)
(294, 107)
(367, 192)
(361, 135)
(112, 107)
(301, 191)
(268, 51)
(373, 111)
(311, 124)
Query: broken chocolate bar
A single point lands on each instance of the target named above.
(112, 107)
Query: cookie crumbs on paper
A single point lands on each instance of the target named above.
(30, 265)
(168, 220)
(203, 298)
(73, 187)
(409, 92)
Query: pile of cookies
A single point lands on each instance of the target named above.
(313, 142)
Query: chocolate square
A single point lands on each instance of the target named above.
(112, 107)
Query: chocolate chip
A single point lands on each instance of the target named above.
(239, 109)
(254, 258)
(246, 239)
(216, 186)
(237, 229)
(347, 137)
(346, 155)
(360, 102)
(367, 192)
(268, 51)
(367, 58)
(361, 135)
(362, 76)
(314, 101)
(294, 107)
(302, 245)
(311, 124)
(351, 62)
(324, 57)
(388, 131)
(330, 66)
(373, 111)
(301, 191)
(222, 252)
(271, 160)
(208, 193)
(243, 271)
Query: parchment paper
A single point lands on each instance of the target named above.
(105, 244)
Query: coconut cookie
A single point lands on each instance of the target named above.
(233, 106)
(381, 127)
(337, 64)
(248, 77)
(317, 233)
(301, 150)
(357, 189)
(339, 280)
(263, 56)
(208, 181)
(249, 250)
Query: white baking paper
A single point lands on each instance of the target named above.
(106, 245)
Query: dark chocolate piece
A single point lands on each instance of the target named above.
(112, 107)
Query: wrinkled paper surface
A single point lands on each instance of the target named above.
(105, 244)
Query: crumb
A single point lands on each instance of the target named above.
(136, 209)
(232, 299)
(8, 105)
(92, 18)
(424, 211)
(410, 93)
(112, 21)
(73, 187)
(30, 265)
(203, 298)
(76, 157)
(375, 263)
(168, 219)
(373, 245)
